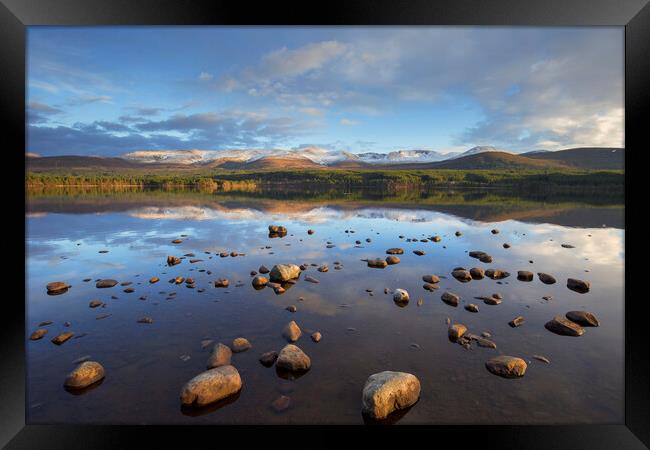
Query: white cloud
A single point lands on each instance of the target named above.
(205, 76)
(348, 122)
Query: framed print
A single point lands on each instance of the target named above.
(403, 214)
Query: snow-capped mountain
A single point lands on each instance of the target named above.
(316, 155)
(478, 149)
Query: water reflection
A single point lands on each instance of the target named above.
(363, 332)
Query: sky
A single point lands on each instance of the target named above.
(110, 90)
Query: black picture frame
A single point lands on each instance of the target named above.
(634, 15)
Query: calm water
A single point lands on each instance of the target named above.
(146, 365)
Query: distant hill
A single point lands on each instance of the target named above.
(584, 157)
(272, 162)
(80, 162)
(488, 160)
(477, 158)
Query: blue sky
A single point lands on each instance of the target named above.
(111, 90)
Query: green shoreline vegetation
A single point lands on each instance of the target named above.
(591, 180)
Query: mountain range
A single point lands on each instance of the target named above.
(481, 157)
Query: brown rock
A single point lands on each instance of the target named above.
(102, 284)
(546, 278)
(284, 272)
(316, 336)
(389, 391)
(377, 263)
(61, 338)
(154, 280)
(462, 275)
(496, 274)
(392, 259)
(524, 275)
(450, 298)
(267, 359)
(57, 288)
(517, 322)
(85, 374)
(292, 331)
(584, 318)
(240, 344)
(220, 356)
(471, 308)
(477, 273)
(395, 251)
(292, 358)
(221, 283)
(507, 366)
(38, 334)
(431, 279)
(211, 386)
(579, 286)
(562, 326)
(456, 331)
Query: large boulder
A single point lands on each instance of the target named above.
(389, 391)
(85, 374)
(292, 358)
(507, 366)
(284, 272)
(211, 386)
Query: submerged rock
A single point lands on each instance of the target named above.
(584, 318)
(240, 344)
(471, 308)
(220, 356)
(57, 288)
(61, 338)
(431, 279)
(102, 284)
(316, 336)
(38, 334)
(389, 391)
(517, 322)
(267, 359)
(377, 263)
(221, 283)
(173, 260)
(263, 269)
(562, 326)
(284, 272)
(292, 358)
(85, 374)
(323, 268)
(419, 252)
(507, 366)
(450, 298)
(211, 386)
(95, 303)
(282, 403)
(430, 287)
(496, 274)
(579, 286)
(292, 331)
(392, 259)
